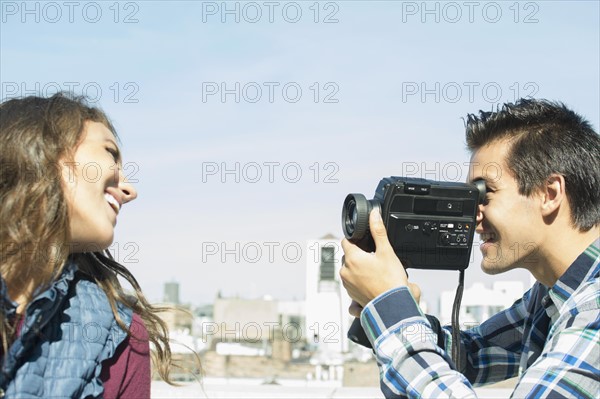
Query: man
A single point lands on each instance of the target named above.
(541, 213)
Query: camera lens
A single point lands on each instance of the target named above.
(355, 216)
(352, 216)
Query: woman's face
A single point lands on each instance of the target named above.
(95, 189)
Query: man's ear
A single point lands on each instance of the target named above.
(553, 194)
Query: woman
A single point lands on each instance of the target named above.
(68, 328)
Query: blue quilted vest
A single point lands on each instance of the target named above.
(67, 332)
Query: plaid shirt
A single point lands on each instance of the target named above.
(550, 338)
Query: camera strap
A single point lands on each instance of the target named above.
(456, 352)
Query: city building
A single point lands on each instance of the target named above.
(327, 303)
(269, 339)
(171, 293)
(479, 302)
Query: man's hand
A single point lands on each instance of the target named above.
(367, 275)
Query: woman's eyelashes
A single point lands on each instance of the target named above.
(115, 154)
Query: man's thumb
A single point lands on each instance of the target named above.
(378, 231)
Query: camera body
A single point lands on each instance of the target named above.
(430, 224)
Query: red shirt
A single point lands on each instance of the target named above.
(127, 374)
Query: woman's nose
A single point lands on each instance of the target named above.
(128, 190)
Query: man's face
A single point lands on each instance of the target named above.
(510, 224)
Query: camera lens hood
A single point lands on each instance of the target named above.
(355, 217)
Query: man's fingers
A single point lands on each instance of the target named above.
(355, 309)
(415, 291)
(347, 246)
(378, 232)
(350, 249)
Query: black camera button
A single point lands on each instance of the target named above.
(417, 189)
(445, 238)
(449, 206)
(427, 228)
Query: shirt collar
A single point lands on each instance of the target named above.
(58, 287)
(585, 268)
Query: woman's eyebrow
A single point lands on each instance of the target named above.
(116, 146)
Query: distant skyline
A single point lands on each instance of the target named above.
(245, 124)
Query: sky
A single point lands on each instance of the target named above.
(245, 124)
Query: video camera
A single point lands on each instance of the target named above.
(430, 224)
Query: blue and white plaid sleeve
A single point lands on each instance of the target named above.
(413, 365)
